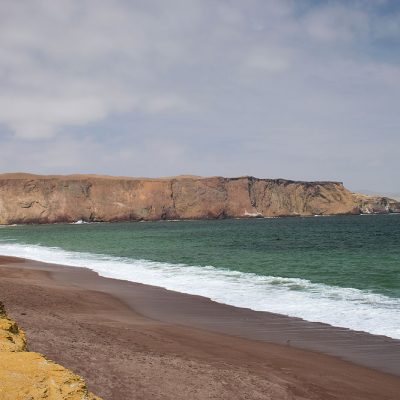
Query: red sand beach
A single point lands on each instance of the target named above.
(132, 341)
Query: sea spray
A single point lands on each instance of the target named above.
(351, 308)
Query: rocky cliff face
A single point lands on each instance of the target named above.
(29, 375)
(377, 204)
(26, 198)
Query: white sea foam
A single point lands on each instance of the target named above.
(344, 307)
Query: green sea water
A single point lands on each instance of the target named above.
(316, 256)
(349, 251)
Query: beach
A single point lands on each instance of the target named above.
(199, 200)
(134, 341)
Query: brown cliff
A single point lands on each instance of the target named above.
(29, 375)
(26, 198)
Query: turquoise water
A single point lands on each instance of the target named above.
(313, 256)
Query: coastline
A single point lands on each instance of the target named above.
(121, 335)
(165, 220)
(40, 199)
(159, 254)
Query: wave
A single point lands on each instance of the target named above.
(344, 307)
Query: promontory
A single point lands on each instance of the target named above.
(28, 198)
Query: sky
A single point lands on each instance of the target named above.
(296, 89)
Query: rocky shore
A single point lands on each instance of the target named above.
(26, 198)
(29, 375)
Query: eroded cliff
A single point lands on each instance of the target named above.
(29, 375)
(26, 198)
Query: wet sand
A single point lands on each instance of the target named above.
(133, 341)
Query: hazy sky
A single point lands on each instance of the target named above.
(294, 89)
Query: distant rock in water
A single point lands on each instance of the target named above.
(26, 198)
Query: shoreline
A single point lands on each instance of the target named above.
(200, 312)
(82, 221)
(176, 319)
(184, 197)
(338, 311)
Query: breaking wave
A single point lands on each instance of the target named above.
(345, 307)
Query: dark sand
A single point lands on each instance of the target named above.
(132, 341)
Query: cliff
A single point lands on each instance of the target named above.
(26, 198)
(29, 375)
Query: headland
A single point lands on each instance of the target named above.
(27, 198)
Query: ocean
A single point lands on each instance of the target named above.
(340, 270)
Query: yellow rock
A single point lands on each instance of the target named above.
(11, 337)
(30, 376)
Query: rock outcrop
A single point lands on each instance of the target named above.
(26, 198)
(29, 375)
(377, 204)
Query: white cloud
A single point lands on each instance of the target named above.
(267, 59)
(79, 64)
(336, 23)
(302, 78)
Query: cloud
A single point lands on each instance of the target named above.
(267, 59)
(336, 23)
(210, 87)
(79, 64)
